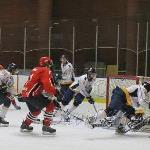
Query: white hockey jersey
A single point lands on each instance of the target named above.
(82, 85)
(137, 93)
(7, 79)
(67, 71)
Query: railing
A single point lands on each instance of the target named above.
(72, 40)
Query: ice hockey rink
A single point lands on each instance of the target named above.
(68, 137)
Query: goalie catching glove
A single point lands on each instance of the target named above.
(90, 100)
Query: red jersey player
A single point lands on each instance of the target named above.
(39, 93)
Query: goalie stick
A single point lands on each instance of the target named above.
(95, 109)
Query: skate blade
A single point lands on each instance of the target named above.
(25, 131)
(119, 133)
(4, 125)
(48, 134)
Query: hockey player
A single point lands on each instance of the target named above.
(6, 91)
(67, 74)
(39, 93)
(125, 100)
(79, 90)
(12, 68)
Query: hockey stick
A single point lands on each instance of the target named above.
(74, 116)
(95, 108)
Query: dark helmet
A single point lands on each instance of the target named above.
(91, 74)
(12, 68)
(147, 86)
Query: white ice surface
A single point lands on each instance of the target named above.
(68, 137)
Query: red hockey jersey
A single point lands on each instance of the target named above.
(39, 81)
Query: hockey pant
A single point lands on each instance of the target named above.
(4, 100)
(64, 88)
(35, 105)
(69, 95)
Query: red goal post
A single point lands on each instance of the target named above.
(121, 81)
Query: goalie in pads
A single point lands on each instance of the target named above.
(125, 102)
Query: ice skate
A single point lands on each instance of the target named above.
(48, 130)
(3, 122)
(120, 129)
(65, 116)
(26, 128)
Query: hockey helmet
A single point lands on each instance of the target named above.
(147, 86)
(45, 61)
(63, 58)
(12, 68)
(91, 74)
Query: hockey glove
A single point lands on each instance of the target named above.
(90, 100)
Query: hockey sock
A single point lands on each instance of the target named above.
(48, 115)
(31, 117)
(47, 118)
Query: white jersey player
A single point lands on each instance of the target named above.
(67, 74)
(79, 90)
(6, 91)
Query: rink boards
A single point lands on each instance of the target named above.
(98, 92)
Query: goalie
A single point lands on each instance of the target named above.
(79, 90)
(125, 100)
